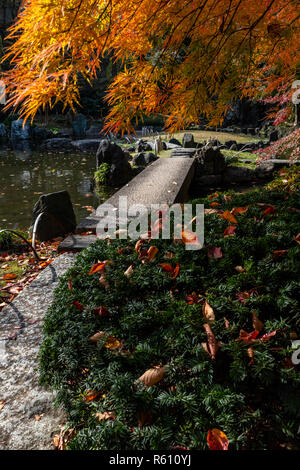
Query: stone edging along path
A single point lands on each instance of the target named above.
(28, 418)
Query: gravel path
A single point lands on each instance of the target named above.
(28, 418)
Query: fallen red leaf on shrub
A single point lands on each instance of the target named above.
(139, 245)
(217, 440)
(152, 252)
(166, 267)
(278, 253)
(228, 216)
(78, 305)
(214, 252)
(214, 204)
(189, 237)
(176, 271)
(297, 238)
(248, 338)
(242, 296)
(91, 395)
(230, 230)
(193, 298)
(101, 311)
(269, 210)
(239, 210)
(212, 196)
(267, 336)
(97, 267)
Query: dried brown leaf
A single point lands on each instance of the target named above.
(128, 271)
(153, 375)
(107, 415)
(257, 324)
(208, 311)
(212, 344)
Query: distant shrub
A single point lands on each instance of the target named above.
(287, 179)
(287, 148)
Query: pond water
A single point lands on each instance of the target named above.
(24, 176)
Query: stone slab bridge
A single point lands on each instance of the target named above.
(167, 180)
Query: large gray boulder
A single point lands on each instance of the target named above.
(86, 145)
(209, 180)
(143, 146)
(19, 131)
(120, 168)
(94, 131)
(210, 161)
(139, 159)
(3, 132)
(236, 174)
(230, 143)
(150, 158)
(39, 134)
(79, 125)
(57, 217)
(215, 143)
(66, 133)
(188, 141)
(58, 145)
(175, 142)
(265, 169)
(144, 159)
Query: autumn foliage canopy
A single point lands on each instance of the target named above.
(180, 59)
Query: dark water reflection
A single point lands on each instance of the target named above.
(24, 176)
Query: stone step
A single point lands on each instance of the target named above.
(88, 224)
(181, 152)
(75, 243)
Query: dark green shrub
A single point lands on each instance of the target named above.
(102, 174)
(255, 403)
(9, 241)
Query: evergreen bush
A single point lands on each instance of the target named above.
(102, 174)
(250, 390)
